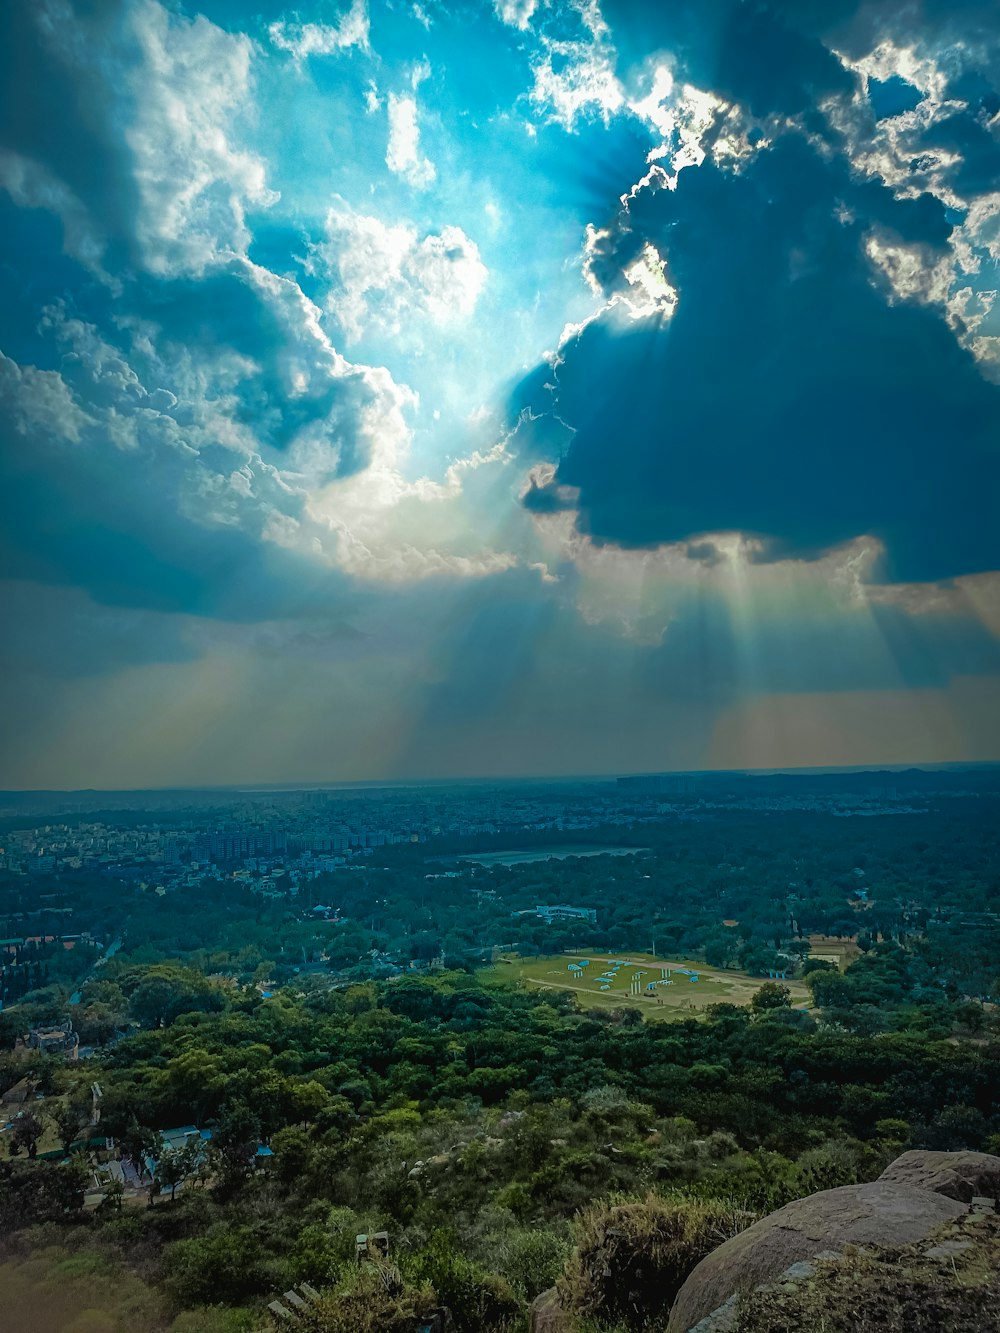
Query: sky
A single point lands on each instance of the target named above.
(444, 389)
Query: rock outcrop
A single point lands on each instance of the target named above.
(882, 1213)
(916, 1195)
(547, 1316)
(957, 1175)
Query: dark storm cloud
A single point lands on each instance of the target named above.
(765, 57)
(108, 524)
(787, 398)
(51, 114)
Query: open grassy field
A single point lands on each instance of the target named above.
(56, 1291)
(682, 997)
(73, 1289)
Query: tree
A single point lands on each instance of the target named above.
(722, 949)
(226, 1264)
(818, 965)
(96, 1024)
(176, 1164)
(69, 1119)
(27, 1130)
(478, 1299)
(114, 1193)
(236, 1137)
(771, 995)
(830, 990)
(137, 1143)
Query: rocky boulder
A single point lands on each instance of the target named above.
(957, 1175)
(881, 1213)
(547, 1316)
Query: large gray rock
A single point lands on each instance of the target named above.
(958, 1175)
(547, 1316)
(882, 1213)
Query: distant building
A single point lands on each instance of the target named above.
(237, 846)
(565, 913)
(61, 1040)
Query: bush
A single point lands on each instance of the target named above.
(530, 1258)
(227, 1264)
(479, 1301)
(364, 1305)
(631, 1257)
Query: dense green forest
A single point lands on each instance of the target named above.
(479, 1124)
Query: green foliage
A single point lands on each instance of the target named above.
(33, 1192)
(26, 1131)
(363, 1304)
(772, 995)
(472, 1119)
(632, 1257)
(216, 1319)
(225, 1264)
(480, 1301)
(530, 1258)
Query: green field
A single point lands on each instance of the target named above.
(682, 997)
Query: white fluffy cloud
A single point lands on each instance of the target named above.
(39, 401)
(515, 13)
(574, 75)
(194, 182)
(391, 279)
(323, 39)
(168, 99)
(168, 421)
(403, 155)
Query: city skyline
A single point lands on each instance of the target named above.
(550, 387)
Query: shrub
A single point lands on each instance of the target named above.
(530, 1258)
(366, 1305)
(632, 1257)
(479, 1301)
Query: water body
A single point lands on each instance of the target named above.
(547, 854)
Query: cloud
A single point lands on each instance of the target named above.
(390, 278)
(786, 397)
(769, 404)
(574, 70)
(31, 185)
(231, 468)
(127, 128)
(39, 401)
(515, 13)
(323, 39)
(402, 155)
(194, 184)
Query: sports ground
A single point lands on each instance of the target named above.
(665, 988)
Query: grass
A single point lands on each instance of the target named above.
(683, 998)
(55, 1291)
(58, 1290)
